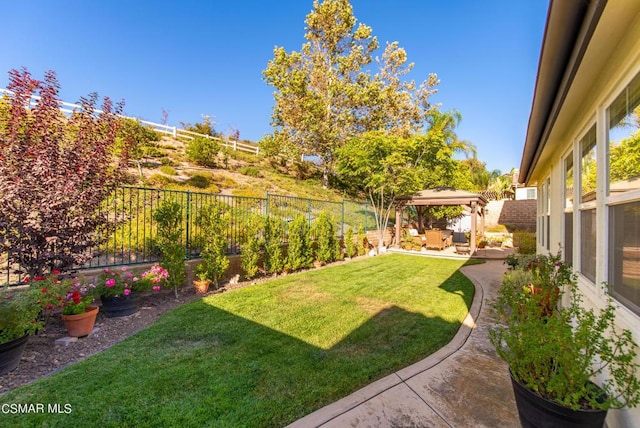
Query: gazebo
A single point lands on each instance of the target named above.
(444, 197)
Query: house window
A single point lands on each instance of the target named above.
(531, 193)
(548, 213)
(588, 166)
(588, 244)
(543, 215)
(568, 209)
(624, 254)
(624, 208)
(624, 140)
(587, 198)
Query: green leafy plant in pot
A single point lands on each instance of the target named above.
(556, 357)
(19, 317)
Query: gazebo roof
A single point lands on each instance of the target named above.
(443, 196)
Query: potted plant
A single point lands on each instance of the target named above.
(556, 357)
(202, 283)
(19, 311)
(78, 313)
(118, 288)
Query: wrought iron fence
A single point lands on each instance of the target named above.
(133, 240)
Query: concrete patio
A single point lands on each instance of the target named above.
(464, 384)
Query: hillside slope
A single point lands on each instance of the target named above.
(235, 173)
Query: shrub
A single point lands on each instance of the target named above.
(205, 127)
(324, 234)
(199, 180)
(165, 160)
(349, 243)
(169, 170)
(158, 180)
(213, 220)
(525, 241)
(203, 151)
(273, 258)
(168, 217)
(55, 175)
(250, 171)
(251, 245)
(363, 242)
(138, 138)
(298, 251)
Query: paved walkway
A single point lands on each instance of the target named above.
(464, 384)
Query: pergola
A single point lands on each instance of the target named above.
(444, 197)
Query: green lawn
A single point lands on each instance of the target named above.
(263, 355)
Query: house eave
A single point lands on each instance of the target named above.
(570, 25)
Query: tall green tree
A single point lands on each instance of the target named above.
(385, 167)
(389, 101)
(326, 94)
(315, 87)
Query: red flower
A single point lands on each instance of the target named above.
(39, 278)
(26, 279)
(76, 297)
(44, 289)
(56, 272)
(59, 298)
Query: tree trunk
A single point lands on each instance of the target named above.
(325, 176)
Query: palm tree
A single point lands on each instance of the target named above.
(445, 123)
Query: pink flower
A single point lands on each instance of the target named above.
(156, 288)
(110, 282)
(126, 292)
(124, 268)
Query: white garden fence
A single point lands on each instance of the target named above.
(69, 108)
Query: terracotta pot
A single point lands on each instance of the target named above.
(201, 287)
(80, 325)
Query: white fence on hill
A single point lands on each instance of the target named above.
(69, 108)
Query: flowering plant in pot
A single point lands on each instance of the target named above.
(79, 297)
(555, 358)
(118, 288)
(78, 313)
(119, 282)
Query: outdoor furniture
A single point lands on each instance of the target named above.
(438, 239)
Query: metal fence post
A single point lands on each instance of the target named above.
(342, 226)
(187, 251)
(366, 212)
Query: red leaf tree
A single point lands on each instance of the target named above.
(56, 172)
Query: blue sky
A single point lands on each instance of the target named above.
(206, 57)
